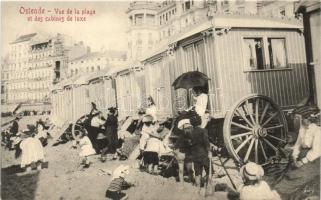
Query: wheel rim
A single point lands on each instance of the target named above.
(255, 130)
(78, 127)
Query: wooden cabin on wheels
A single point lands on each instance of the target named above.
(72, 99)
(256, 68)
(130, 89)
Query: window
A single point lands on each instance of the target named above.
(98, 68)
(263, 53)
(277, 53)
(92, 68)
(187, 5)
(139, 19)
(254, 54)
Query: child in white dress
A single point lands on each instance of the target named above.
(86, 148)
(32, 150)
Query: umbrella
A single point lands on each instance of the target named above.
(190, 80)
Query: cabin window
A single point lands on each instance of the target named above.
(277, 53)
(254, 53)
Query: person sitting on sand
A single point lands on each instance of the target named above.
(306, 156)
(118, 183)
(254, 187)
(32, 151)
(86, 148)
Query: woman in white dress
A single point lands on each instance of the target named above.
(151, 108)
(201, 100)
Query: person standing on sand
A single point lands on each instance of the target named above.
(201, 153)
(32, 151)
(111, 126)
(151, 108)
(86, 148)
(183, 152)
(15, 126)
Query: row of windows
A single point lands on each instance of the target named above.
(23, 96)
(256, 48)
(88, 69)
(167, 16)
(41, 55)
(29, 85)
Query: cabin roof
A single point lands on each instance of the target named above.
(234, 21)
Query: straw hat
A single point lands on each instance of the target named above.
(148, 118)
(121, 171)
(183, 122)
(252, 171)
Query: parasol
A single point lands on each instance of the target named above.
(190, 80)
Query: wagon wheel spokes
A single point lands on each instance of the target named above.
(255, 130)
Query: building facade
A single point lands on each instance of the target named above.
(36, 62)
(95, 61)
(153, 24)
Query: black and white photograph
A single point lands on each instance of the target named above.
(160, 100)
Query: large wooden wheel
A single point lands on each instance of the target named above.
(79, 126)
(255, 130)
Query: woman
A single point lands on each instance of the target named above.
(201, 100)
(151, 108)
(111, 126)
(306, 156)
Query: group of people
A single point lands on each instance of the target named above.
(30, 143)
(192, 148)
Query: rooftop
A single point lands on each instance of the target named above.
(110, 54)
(24, 38)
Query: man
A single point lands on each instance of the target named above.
(183, 152)
(15, 126)
(306, 157)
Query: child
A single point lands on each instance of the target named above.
(32, 150)
(41, 133)
(86, 148)
(118, 183)
(254, 187)
(151, 152)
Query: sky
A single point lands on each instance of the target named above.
(106, 28)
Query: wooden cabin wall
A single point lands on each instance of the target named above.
(69, 109)
(285, 86)
(81, 101)
(196, 54)
(158, 85)
(109, 93)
